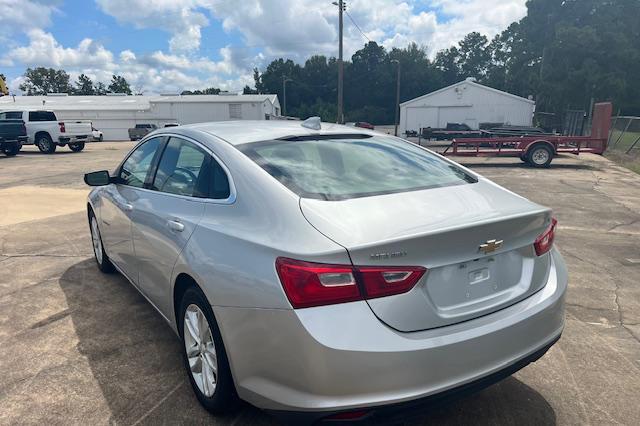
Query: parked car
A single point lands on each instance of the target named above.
(96, 134)
(328, 272)
(13, 134)
(47, 133)
(361, 124)
(140, 131)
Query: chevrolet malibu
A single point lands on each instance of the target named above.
(326, 272)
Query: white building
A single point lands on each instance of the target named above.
(114, 115)
(465, 102)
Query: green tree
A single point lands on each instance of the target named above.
(119, 85)
(249, 91)
(40, 81)
(84, 86)
(100, 88)
(208, 91)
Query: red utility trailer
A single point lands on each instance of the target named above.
(539, 150)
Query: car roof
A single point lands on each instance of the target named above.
(247, 131)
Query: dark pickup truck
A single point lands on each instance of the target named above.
(13, 134)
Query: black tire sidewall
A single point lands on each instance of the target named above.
(76, 146)
(12, 151)
(52, 146)
(106, 266)
(224, 398)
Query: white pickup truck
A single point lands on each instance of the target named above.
(47, 133)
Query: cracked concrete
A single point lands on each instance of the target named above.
(79, 347)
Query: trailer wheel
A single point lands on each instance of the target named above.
(540, 155)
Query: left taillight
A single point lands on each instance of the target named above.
(62, 127)
(544, 242)
(308, 284)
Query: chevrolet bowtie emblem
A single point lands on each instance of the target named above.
(490, 246)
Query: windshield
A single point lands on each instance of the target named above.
(339, 168)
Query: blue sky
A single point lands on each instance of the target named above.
(173, 45)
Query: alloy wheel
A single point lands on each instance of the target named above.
(95, 239)
(200, 349)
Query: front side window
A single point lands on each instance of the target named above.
(342, 167)
(180, 169)
(134, 170)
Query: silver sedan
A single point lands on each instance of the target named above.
(328, 272)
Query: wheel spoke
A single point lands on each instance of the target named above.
(191, 325)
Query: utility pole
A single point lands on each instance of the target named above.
(395, 132)
(341, 8)
(284, 94)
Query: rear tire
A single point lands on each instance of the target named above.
(104, 264)
(76, 146)
(202, 348)
(540, 156)
(13, 150)
(45, 144)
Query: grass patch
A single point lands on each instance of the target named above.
(630, 161)
(625, 142)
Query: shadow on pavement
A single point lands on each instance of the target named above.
(136, 360)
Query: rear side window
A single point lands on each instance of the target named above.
(342, 167)
(11, 115)
(42, 116)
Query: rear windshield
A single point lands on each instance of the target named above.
(339, 168)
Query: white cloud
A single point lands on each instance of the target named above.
(178, 17)
(44, 50)
(20, 15)
(267, 29)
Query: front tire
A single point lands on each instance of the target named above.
(76, 146)
(45, 144)
(204, 356)
(104, 264)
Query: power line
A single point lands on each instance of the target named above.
(357, 26)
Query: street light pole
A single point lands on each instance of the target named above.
(284, 95)
(395, 132)
(341, 7)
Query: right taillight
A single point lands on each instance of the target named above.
(545, 241)
(308, 284)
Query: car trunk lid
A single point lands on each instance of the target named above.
(475, 240)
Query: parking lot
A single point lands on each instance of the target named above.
(77, 346)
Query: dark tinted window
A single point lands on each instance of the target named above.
(11, 115)
(186, 169)
(338, 168)
(42, 116)
(180, 169)
(134, 171)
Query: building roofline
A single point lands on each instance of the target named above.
(473, 83)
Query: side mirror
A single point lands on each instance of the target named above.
(97, 178)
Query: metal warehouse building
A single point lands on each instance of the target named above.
(465, 102)
(114, 115)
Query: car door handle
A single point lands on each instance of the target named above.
(175, 225)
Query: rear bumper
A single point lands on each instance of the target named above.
(73, 139)
(341, 357)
